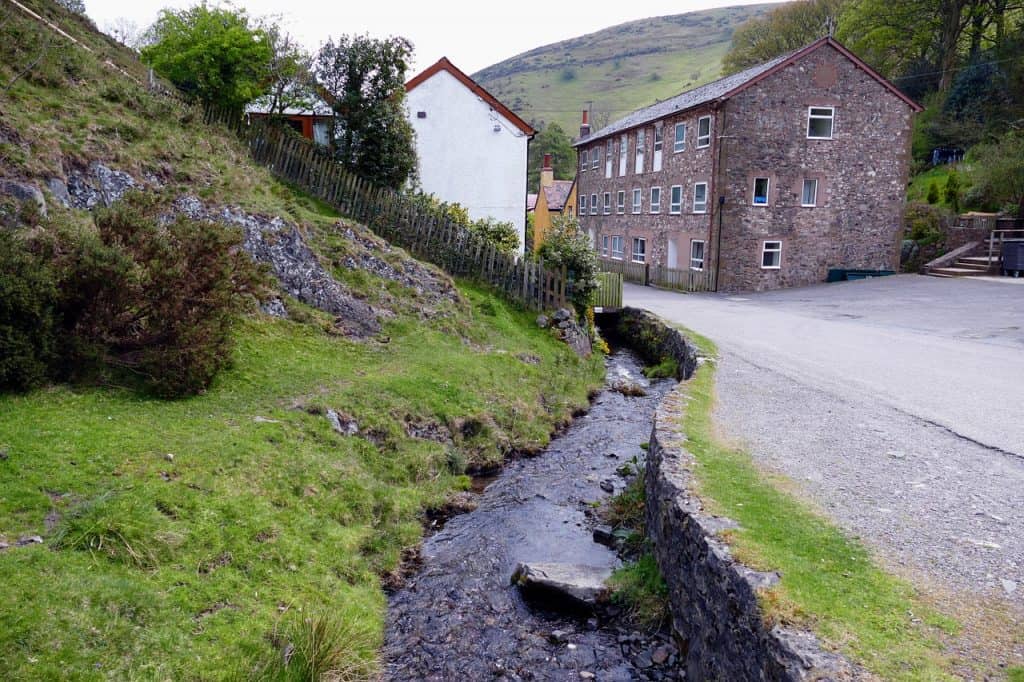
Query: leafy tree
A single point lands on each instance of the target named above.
(363, 79)
(998, 172)
(566, 244)
(933, 193)
(291, 83)
(786, 28)
(551, 140)
(27, 315)
(217, 54)
(503, 236)
(952, 192)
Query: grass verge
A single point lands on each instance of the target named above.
(829, 582)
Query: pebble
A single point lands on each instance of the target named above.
(587, 675)
(660, 655)
(607, 486)
(169, 457)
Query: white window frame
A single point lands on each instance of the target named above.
(607, 207)
(620, 202)
(584, 160)
(675, 199)
(814, 195)
(583, 204)
(604, 245)
(638, 241)
(700, 207)
(693, 258)
(830, 117)
(679, 143)
(623, 155)
(593, 204)
(638, 200)
(641, 142)
(609, 156)
(659, 142)
(767, 192)
(595, 158)
(617, 239)
(776, 248)
(655, 204)
(703, 140)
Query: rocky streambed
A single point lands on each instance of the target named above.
(460, 618)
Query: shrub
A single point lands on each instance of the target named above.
(952, 193)
(503, 236)
(566, 245)
(27, 303)
(933, 193)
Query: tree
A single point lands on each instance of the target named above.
(952, 191)
(567, 245)
(126, 32)
(363, 80)
(786, 28)
(217, 54)
(998, 172)
(76, 6)
(551, 140)
(291, 85)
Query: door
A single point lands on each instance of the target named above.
(673, 254)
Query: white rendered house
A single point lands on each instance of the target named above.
(471, 148)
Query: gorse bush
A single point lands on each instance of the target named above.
(128, 296)
(27, 306)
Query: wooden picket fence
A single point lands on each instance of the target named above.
(630, 271)
(648, 274)
(609, 291)
(394, 216)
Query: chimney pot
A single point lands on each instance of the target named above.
(547, 160)
(585, 126)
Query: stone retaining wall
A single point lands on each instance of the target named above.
(651, 337)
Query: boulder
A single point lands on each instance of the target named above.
(562, 314)
(98, 185)
(577, 584)
(59, 189)
(23, 191)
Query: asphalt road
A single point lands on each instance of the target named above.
(896, 404)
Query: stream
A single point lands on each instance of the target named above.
(459, 618)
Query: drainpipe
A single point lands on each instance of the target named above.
(716, 183)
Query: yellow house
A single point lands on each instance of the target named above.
(556, 197)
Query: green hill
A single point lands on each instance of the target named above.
(618, 69)
(242, 533)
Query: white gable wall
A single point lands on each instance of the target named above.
(461, 157)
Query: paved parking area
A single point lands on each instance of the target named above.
(896, 404)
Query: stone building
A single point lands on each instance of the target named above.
(771, 176)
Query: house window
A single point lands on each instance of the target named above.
(809, 195)
(609, 155)
(637, 199)
(697, 254)
(656, 161)
(583, 161)
(617, 247)
(604, 245)
(620, 202)
(593, 204)
(639, 249)
(771, 256)
(607, 203)
(700, 197)
(819, 122)
(680, 141)
(703, 132)
(676, 198)
(595, 157)
(655, 200)
(583, 204)
(623, 154)
(760, 191)
(640, 142)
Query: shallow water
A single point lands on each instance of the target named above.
(460, 619)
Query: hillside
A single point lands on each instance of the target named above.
(618, 69)
(244, 532)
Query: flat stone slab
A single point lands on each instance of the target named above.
(578, 582)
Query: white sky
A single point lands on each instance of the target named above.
(471, 34)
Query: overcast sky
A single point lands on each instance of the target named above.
(472, 34)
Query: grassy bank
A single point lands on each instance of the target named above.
(829, 582)
(188, 539)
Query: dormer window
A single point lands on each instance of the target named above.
(820, 122)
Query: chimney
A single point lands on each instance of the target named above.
(547, 174)
(585, 126)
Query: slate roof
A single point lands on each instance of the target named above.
(557, 194)
(723, 88)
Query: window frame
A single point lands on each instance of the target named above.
(620, 202)
(703, 141)
(624, 155)
(639, 160)
(617, 238)
(767, 192)
(638, 201)
(679, 145)
(704, 204)
(694, 242)
(593, 204)
(654, 206)
(595, 158)
(609, 157)
(675, 207)
(583, 204)
(803, 193)
(606, 208)
(643, 256)
(831, 118)
(584, 160)
(776, 250)
(604, 245)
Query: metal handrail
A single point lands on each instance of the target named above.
(1002, 235)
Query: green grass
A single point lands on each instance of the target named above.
(829, 581)
(184, 567)
(1015, 674)
(639, 588)
(919, 184)
(618, 69)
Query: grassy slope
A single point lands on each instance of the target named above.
(620, 69)
(215, 560)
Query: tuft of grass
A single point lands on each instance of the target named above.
(322, 646)
(666, 369)
(829, 582)
(639, 588)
